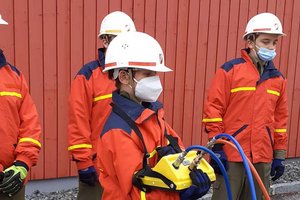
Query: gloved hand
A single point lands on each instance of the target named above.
(13, 178)
(88, 176)
(218, 150)
(277, 169)
(200, 185)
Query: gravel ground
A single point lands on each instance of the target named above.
(292, 173)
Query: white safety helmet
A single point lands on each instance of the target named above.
(264, 23)
(115, 23)
(134, 50)
(2, 21)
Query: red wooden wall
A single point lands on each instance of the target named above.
(49, 40)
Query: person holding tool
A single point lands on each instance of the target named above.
(19, 131)
(89, 101)
(248, 100)
(136, 135)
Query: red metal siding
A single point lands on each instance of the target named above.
(49, 40)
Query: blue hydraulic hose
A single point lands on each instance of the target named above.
(246, 165)
(223, 170)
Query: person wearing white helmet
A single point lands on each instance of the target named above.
(19, 130)
(89, 101)
(248, 99)
(136, 124)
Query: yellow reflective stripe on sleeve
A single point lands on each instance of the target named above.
(106, 96)
(212, 120)
(273, 92)
(143, 195)
(283, 130)
(14, 94)
(242, 89)
(80, 146)
(30, 140)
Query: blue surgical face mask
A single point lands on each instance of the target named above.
(266, 54)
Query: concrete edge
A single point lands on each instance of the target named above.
(281, 188)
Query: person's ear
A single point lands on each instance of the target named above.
(124, 77)
(250, 44)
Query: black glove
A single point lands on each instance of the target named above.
(218, 150)
(200, 185)
(13, 178)
(88, 176)
(277, 169)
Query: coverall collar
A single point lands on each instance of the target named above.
(135, 111)
(2, 59)
(270, 70)
(101, 57)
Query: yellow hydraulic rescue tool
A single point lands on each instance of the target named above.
(179, 176)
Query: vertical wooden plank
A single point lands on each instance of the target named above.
(76, 46)
(190, 68)
(223, 33)
(7, 32)
(139, 14)
(285, 19)
(37, 73)
(262, 6)
(90, 30)
(63, 80)
(284, 57)
(127, 7)
(292, 78)
(232, 30)
(170, 59)
(212, 40)
(114, 5)
(50, 88)
(279, 11)
(253, 9)
(21, 37)
(243, 20)
(180, 69)
(76, 36)
(150, 14)
(297, 97)
(201, 71)
(160, 35)
(102, 11)
(271, 7)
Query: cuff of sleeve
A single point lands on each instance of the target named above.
(25, 160)
(84, 165)
(22, 164)
(280, 154)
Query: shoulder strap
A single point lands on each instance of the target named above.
(173, 141)
(147, 171)
(132, 124)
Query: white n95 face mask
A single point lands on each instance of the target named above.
(148, 89)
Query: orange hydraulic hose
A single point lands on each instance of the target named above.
(254, 172)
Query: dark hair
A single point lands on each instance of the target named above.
(252, 36)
